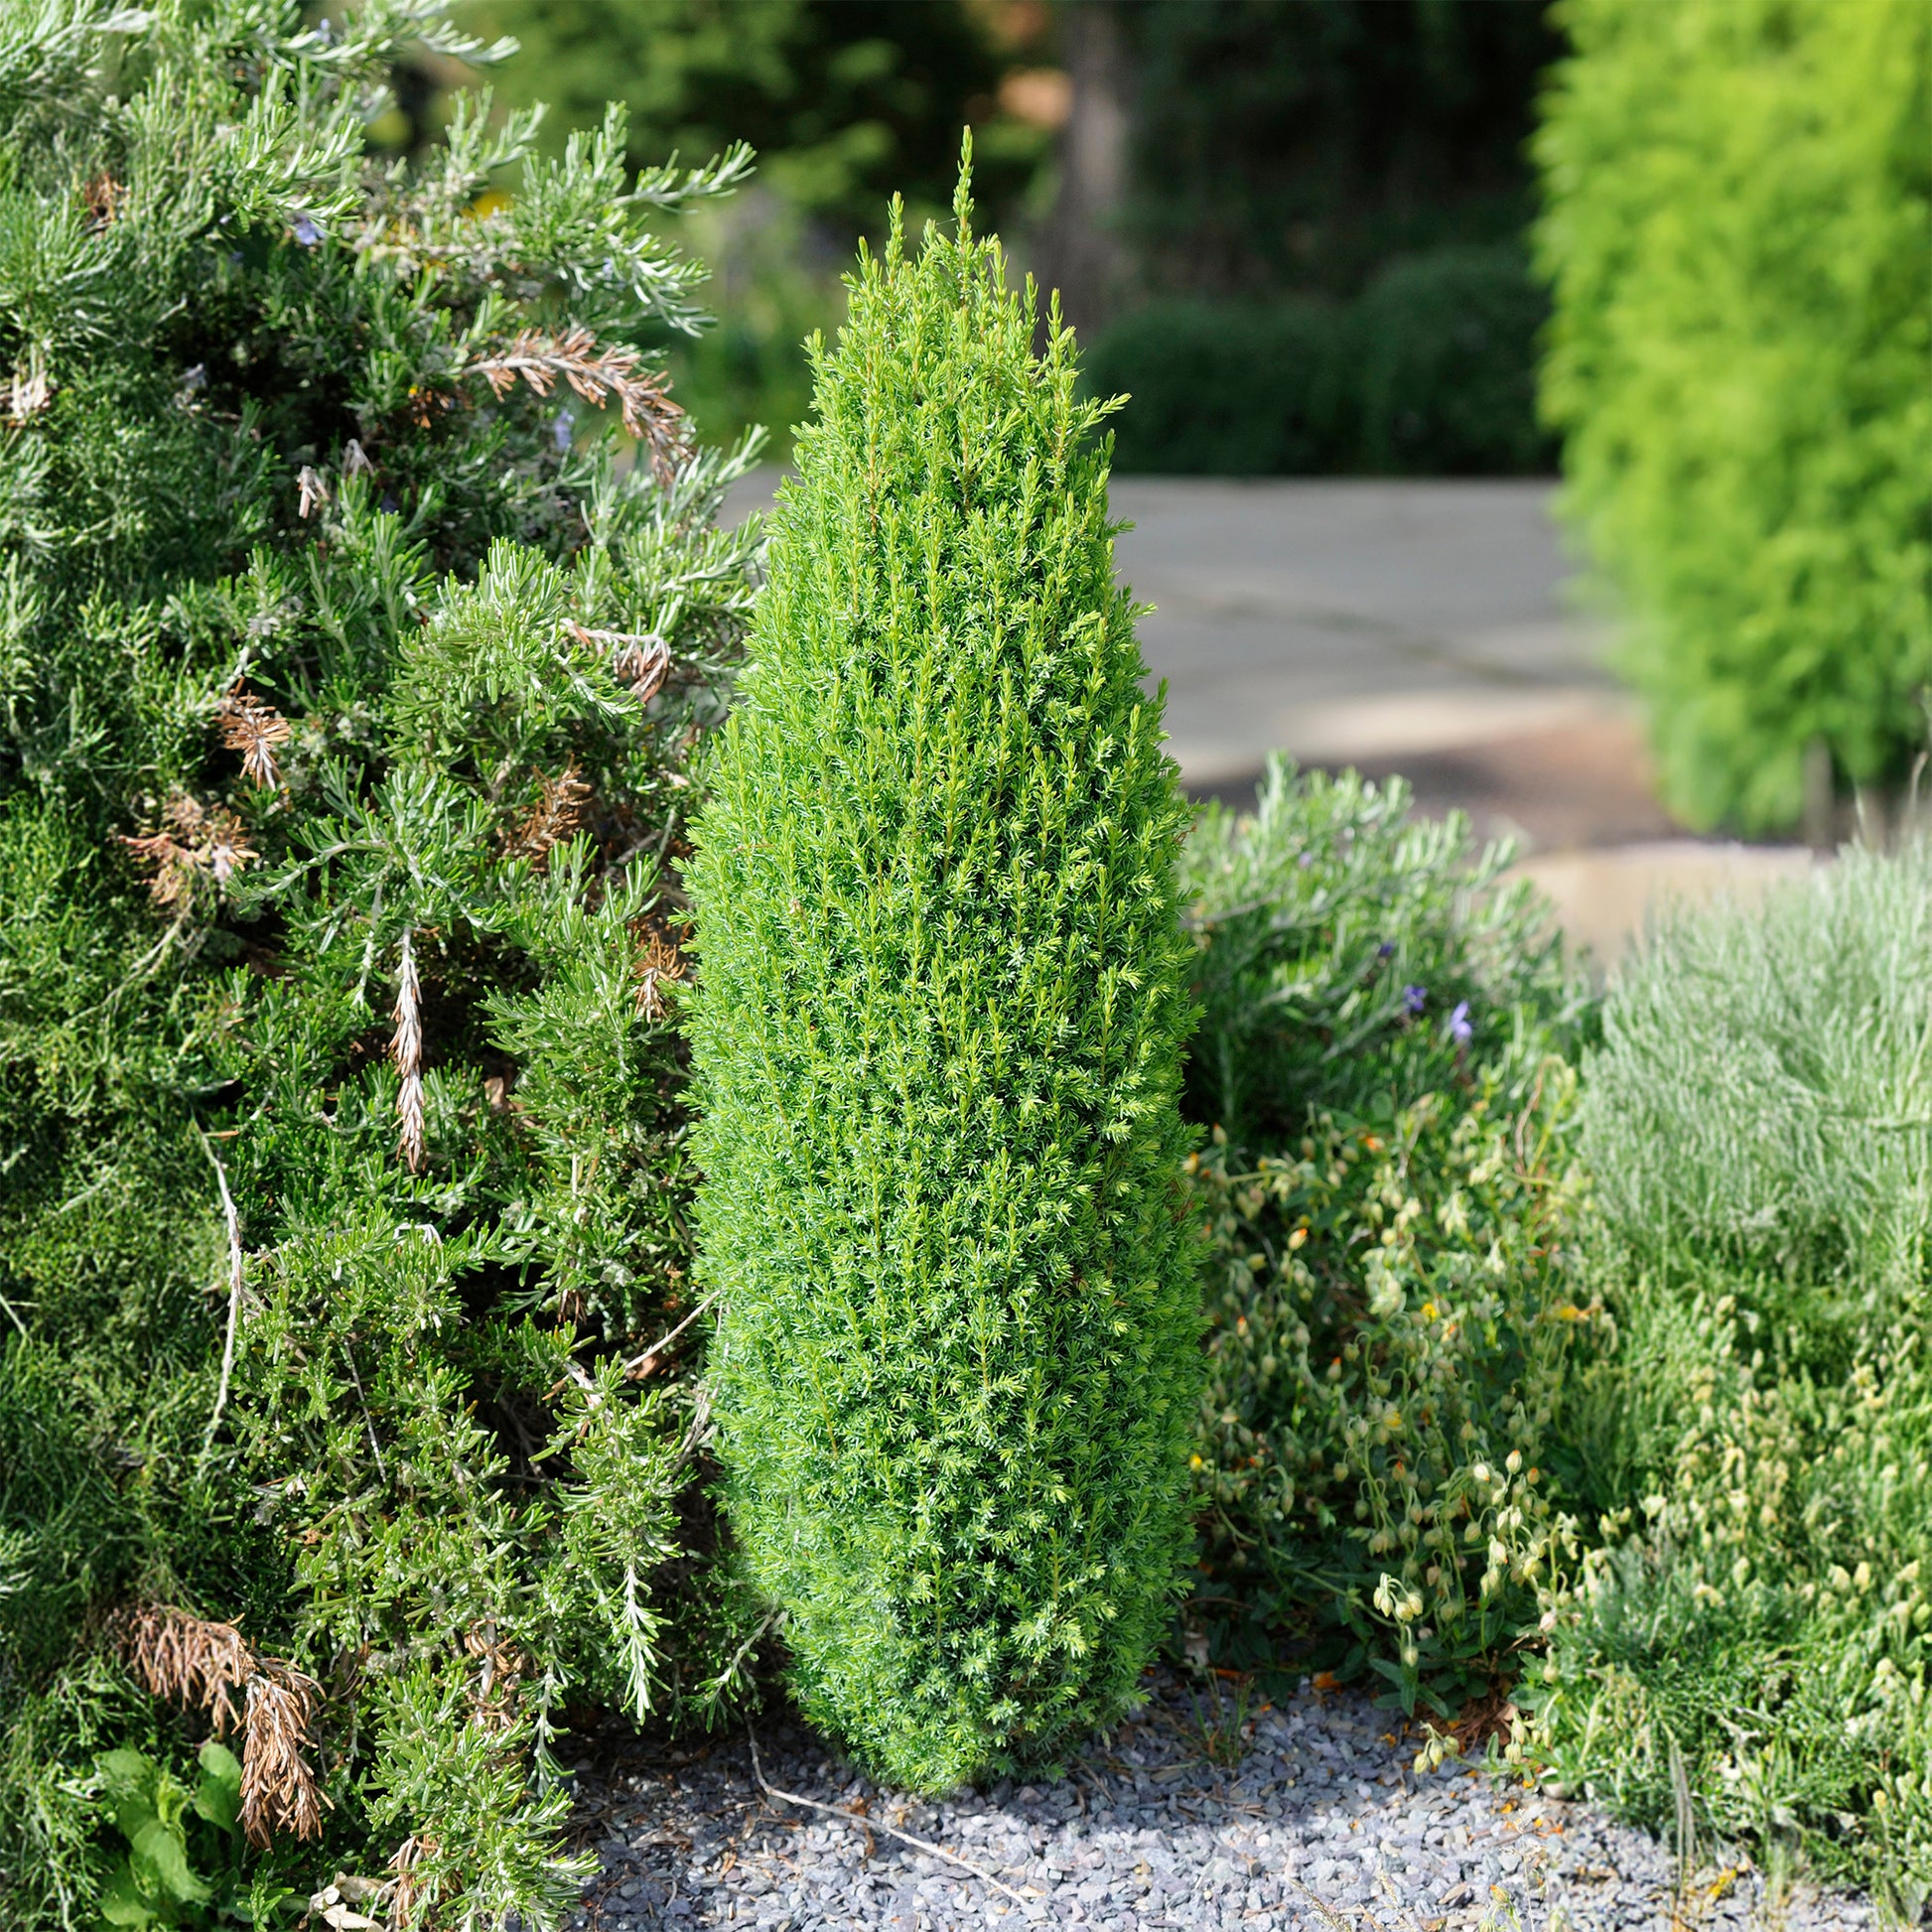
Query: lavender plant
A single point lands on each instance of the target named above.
(1758, 1126)
(1389, 1191)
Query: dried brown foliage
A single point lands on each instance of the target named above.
(201, 1665)
(540, 358)
(30, 391)
(103, 197)
(313, 486)
(198, 843)
(503, 1665)
(659, 960)
(408, 1050)
(554, 817)
(639, 659)
(253, 728)
(403, 1899)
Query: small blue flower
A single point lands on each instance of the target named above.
(562, 432)
(1385, 949)
(307, 231)
(1414, 998)
(1305, 860)
(1460, 1030)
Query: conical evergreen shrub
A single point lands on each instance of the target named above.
(348, 686)
(938, 1037)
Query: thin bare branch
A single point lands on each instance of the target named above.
(925, 1844)
(237, 1275)
(641, 1364)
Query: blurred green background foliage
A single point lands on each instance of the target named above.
(1739, 225)
(1321, 202)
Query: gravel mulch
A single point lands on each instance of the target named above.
(1319, 1825)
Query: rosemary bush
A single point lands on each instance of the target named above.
(938, 1039)
(1387, 1056)
(1758, 1127)
(348, 686)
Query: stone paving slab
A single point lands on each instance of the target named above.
(1421, 628)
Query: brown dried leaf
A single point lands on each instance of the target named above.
(539, 359)
(200, 1664)
(254, 729)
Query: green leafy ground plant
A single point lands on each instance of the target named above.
(1387, 1059)
(1758, 1440)
(938, 1037)
(361, 616)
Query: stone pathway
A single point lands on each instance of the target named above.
(1415, 627)
(1311, 1821)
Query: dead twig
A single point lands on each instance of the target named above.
(539, 359)
(408, 1050)
(642, 659)
(253, 728)
(771, 1790)
(201, 841)
(646, 1359)
(237, 1273)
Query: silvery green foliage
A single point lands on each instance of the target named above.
(1757, 1126)
(347, 689)
(938, 1036)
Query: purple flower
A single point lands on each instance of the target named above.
(306, 230)
(1414, 998)
(1386, 948)
(562, 432)
(1458, 1023)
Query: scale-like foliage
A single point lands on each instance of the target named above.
(939, 1036)
(346, 689)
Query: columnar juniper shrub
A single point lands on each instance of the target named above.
(346, 691)
(1387, 1055)
(938, 1036)
(1758, 1442)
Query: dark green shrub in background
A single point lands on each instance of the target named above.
(938, 1037)
(346, 691)
(1757, 1125)
(1221, 389)
(1438, 366)
(1429, 371)
(1738, 230)
(1388, 1049)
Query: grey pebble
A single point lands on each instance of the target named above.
(1322, 1828)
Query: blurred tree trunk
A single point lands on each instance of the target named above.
(1080, 250)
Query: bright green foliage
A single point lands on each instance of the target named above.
(938, 1036)
(1390, 1296)
(1739, 234)
(336, 813)
(1758, 1129)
